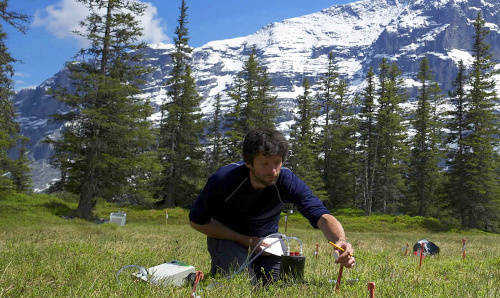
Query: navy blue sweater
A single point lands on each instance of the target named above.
(229, 198)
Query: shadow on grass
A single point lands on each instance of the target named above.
(11, 209)
(58, 208)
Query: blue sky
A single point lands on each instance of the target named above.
(49, 43)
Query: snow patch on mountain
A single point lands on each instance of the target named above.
(460, 55)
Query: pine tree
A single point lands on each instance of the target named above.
(325, 99)
(182, 128)
(457, 125)
(340, 153)
(14, 174)
(107, 130)
(368, 142)
(424, 173)
(254, 106)
(391, 149)
(215, 138)
(20, 170)
(303, 154)
(482, 135)
(338, 162)
(260, 107)
(234, 123)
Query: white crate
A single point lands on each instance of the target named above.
(118, 218)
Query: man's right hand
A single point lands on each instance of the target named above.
(254, 241)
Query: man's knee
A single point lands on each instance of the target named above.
(227, 256)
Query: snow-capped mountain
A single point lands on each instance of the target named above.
(359, 34)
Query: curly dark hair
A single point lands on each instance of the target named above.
(266, 141)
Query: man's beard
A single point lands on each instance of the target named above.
(263, 181)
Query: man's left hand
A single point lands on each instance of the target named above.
(346, 258)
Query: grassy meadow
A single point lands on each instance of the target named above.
(43, 254)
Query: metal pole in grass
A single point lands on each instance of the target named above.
(166, 217)
(463, 248)
(371, 289)
(421, 255)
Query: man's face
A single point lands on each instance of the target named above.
(265, 170)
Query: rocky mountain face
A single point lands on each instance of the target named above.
(359, 34)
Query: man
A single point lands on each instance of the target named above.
(241, 203)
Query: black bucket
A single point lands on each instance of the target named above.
(292, 267)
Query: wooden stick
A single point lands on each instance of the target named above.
(421, 254)
(316, 253)
(371, 289)
(339, 278)
(406, 249)
(463, 248)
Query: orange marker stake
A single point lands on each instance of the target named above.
(339, 278)
(421, 255)
(463, 248)
(316, 253)
(406, 249)
(371, 289)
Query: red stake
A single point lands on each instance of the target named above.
(199, 276)
(371, 288)
(421, 254)
(463, 247)
(316, 253)
(339, 277)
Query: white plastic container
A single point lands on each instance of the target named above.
(118, 217)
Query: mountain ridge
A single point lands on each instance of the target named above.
(359, 34)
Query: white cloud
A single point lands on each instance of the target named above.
(21, 75)
(153, 27)
(62, 18)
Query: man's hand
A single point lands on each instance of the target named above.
(252, 243)
(346, 257)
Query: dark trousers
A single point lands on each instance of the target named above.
(228, 256)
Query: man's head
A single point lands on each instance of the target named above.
(264, 150)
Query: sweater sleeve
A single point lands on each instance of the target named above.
(200, 211)
(302, 197)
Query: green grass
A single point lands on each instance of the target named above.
(42, 254)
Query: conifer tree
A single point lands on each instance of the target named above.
(253, 107)
(14, 174)
(482, 136)
(325, 99)
(337, 144)
(260, 107)
(182, 128)
(235, 123)
(391, 149)
(368, 142)
(107, 129)
(303, 154)
(215, 138)
(456, 161)
(424, 173)
(340, 176)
